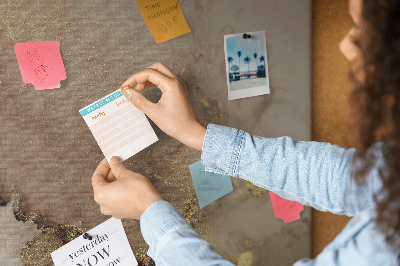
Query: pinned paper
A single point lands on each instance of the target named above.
(41, 64)
(209, 186)
(108, 246)
(118, 126)
(284, 209)
(164, 18)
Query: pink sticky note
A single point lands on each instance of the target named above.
(41, 64)
(284, 209)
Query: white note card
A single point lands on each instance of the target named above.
(118, 126)
(109, 247)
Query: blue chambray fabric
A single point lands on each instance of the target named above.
(172, 241)
(312, 173)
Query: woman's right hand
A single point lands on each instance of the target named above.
(174, 112)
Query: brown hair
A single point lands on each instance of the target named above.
(375, 101)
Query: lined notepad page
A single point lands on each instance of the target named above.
(118, 126)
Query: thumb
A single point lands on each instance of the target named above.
(117, 167)
(99, 175)
(139, 101)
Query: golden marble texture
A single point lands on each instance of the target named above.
(37, 251)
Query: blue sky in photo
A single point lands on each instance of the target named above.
(248, 47)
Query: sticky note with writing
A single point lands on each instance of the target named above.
(108, 246)
(164, 18)
(41, 64)
(118, 126)
(209, 186)
(284, 209)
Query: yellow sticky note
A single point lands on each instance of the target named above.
(164, 18)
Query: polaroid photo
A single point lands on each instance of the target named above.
(246, 64)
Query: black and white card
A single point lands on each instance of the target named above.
(109, 246)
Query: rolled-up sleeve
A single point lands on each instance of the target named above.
(313, 173)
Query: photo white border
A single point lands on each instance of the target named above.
(248, 92)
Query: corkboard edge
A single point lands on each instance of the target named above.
(331, 89)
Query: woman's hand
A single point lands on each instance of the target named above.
(174, 113)
(126, 197)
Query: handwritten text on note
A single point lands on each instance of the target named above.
(164, 18)
(41, 64)
(284, 209)
(209, 186)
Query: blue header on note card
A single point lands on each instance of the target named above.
(100, 103)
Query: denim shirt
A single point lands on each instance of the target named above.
(312, 173)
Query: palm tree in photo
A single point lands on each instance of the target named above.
(262, 59)
(234, 68)
(247, 60)
(255, 58)
(230, 60)
(239, 54)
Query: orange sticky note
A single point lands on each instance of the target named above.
(41, 64)
(284, 209)
(164, 18)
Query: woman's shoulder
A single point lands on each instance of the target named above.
(362, 238)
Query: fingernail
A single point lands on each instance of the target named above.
(115, 160)
(125, 88)
(129, 93)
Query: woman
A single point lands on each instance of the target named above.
(320, 175)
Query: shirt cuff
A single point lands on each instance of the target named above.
(221, 150)
(158, 219)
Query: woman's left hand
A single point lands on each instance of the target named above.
(120, 192)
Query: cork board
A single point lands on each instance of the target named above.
(50, 155)
(331, 90)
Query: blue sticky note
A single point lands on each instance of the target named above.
(209, 186)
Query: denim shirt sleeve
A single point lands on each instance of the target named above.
(312, 173)
(172, 241)
(360, 243)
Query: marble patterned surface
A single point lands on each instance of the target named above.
(49, 154)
